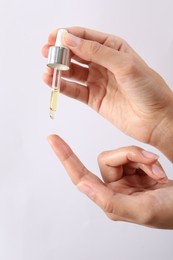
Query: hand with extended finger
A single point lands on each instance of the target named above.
(135, 187)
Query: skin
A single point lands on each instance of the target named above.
(128, 193)
(119, 85)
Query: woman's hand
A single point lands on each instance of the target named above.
(118, 84)
(135, 187)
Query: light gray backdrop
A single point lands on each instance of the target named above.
(42, 215)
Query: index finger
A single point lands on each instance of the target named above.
(84, 33)
(74, 167)
(106, 39)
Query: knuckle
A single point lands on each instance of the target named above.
(94, 47)
(133, 147)
(132, 65)
(108, 207)
(124, 45)
(112, 217)
(132, 152)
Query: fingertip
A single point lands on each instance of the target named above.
(49, 71)
(58, 145)
(50, 138)
(155, 171)
(52, 37)
(47, 79)
(158, 171)
(47, 75)
(56, 141)
(149, 155)
(44, 50)
(136, 154)
(53, 138)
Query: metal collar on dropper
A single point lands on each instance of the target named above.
(59, 57)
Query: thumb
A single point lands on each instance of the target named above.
(93, 51)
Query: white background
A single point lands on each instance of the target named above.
(42, 215)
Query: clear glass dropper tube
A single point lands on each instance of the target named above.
(56, 80)
(58, 60)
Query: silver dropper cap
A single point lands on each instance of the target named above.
(59, 56)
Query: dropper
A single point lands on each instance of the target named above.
(58, 59)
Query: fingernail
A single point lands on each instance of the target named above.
(149, 155)
(87, 190)
(71, 40)
(158, 171)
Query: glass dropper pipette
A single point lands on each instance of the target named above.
(59, 60)
(56, 80)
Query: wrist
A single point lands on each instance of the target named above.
(162, 137)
